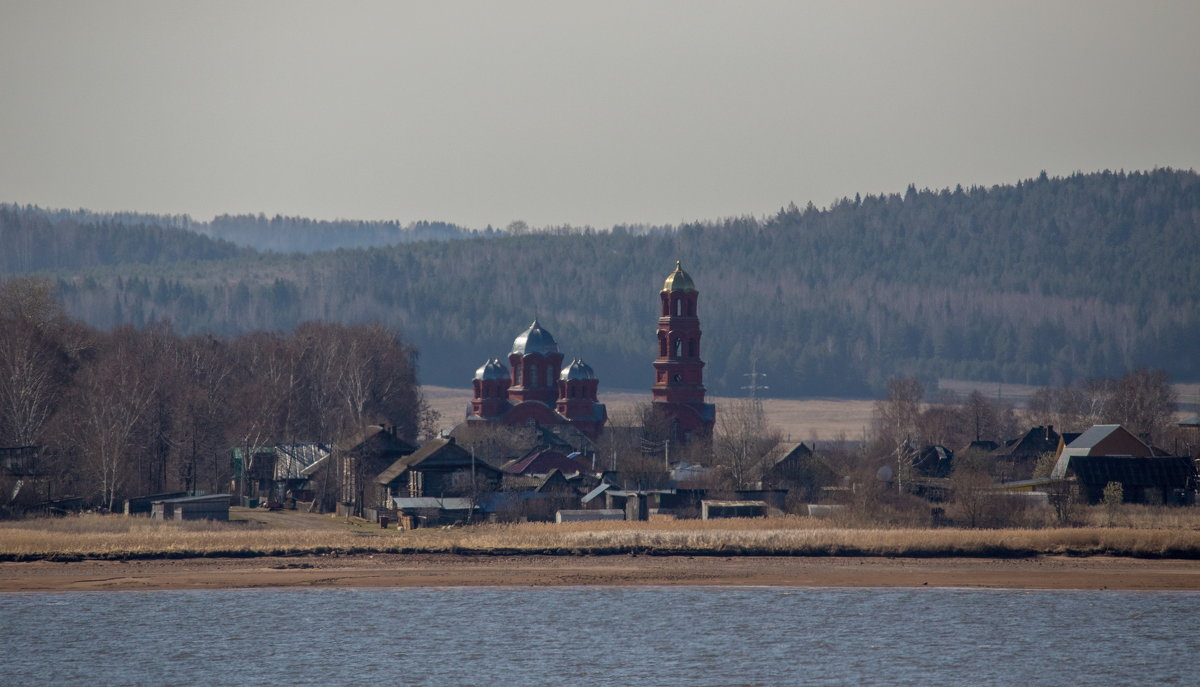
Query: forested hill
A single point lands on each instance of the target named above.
(298, 234)
(1046, 280)
(33, 239)
(72, 239)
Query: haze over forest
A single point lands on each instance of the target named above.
(1043, 281)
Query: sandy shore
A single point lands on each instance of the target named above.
(1050, 572)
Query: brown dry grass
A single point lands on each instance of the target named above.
(114, 536)
(798, 420)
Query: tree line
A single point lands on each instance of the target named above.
(142, 410)
(1046, 281)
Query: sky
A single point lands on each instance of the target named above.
(593, 113)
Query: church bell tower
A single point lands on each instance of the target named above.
(679, 372)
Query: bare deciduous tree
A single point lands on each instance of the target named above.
(897, 417)
(39, 351)
(971, 483)
(743, 442)
(110, 408)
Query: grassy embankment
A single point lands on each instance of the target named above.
(1150, 533)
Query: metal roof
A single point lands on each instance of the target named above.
(1134, 471)
(604, 486)
(535, 340)
(577, 370)
(449, 503)
(492, 369)
(678, 280)
(197, 499)
(1092, 436)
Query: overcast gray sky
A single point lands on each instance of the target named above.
(582, 113)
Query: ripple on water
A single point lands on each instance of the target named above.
(608, 635)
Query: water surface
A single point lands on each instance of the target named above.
(603, 635)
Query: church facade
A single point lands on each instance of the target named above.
(536, 388)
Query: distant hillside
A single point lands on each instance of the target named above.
(34, 239)
(48, 239)
(300, 235)
(1045, 280)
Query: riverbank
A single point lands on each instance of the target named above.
(285, 534)
(451, 570)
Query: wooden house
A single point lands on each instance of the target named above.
(796, 469)
(1016, 459)
(436, 469)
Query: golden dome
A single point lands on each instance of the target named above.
(678, 280)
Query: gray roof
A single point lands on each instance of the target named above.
(438, 455)
(295, 461)
(449, 503)
(604, 486)
(1093, 436)
(1134, 471)
(197, 499)
(535, 340)
(492, 369)
(577, 370)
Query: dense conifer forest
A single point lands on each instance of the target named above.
(1041, 282)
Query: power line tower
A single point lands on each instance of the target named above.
(754, 387)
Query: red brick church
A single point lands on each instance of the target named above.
(678, 370)
(535, 388)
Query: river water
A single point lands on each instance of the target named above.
(601, 635)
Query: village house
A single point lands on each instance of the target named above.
(1110, 453)
(438, 468)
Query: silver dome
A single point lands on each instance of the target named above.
(535, 340)
(492, 369)
(577, 370)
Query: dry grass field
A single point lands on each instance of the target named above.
(252, 533)
(799, 420)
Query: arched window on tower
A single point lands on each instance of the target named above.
(679, 307)
(678, 348)
(533, 374)
(691, 348)
(662, 345)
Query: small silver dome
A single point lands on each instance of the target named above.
(577, 370)
(535, 340)
(492, 369)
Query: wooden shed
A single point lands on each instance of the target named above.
(210, 507)
(711, 510)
